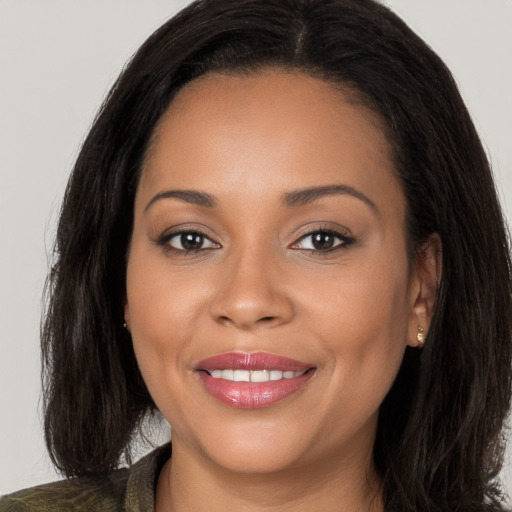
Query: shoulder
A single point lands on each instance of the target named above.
(130, 489)
(86, 493)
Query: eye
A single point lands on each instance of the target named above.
(323, 241)
(188, 241)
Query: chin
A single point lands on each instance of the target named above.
(254, 447)
(252, 458)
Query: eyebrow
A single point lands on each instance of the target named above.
(308, 195)
(290, 199)
(189, 196)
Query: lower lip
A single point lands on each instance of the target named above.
(252, 395)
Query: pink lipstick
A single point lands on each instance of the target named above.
(252, 380)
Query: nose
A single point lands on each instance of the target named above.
(252, 293)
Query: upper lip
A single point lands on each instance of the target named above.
(252, 361)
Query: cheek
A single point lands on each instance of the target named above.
(161, 324)
(361, 314)
(159, 315)
(162, 301)
(362, 301)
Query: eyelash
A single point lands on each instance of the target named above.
(164, 242)
(343, 241)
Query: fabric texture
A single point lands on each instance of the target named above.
(126, 489)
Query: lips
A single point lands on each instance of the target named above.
(252, 380)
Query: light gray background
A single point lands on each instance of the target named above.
(57, 60)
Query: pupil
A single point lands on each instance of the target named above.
(323, 241)
(191, 241)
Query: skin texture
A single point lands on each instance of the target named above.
(256, 285)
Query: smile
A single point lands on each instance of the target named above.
(254, 375)
(251, 381)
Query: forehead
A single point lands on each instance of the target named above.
(276, 129)
(272, 94)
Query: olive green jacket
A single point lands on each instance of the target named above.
(127, 489)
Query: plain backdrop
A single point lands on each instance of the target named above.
(57, 60)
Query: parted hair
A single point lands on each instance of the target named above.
(439, 442)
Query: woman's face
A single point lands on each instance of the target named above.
(269, 226)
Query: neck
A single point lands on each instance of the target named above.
(192, 482)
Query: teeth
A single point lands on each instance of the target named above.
(276, 374)
(260, 376)
(253, 375)
(227, 374)
(241, 375)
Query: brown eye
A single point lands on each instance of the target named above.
(190, 241)
(323, 241)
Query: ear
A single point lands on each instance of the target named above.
(424, 286)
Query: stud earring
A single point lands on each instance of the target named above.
(420, 337)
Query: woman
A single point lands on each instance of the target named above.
(283, 234)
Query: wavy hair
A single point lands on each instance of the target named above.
(439, 439)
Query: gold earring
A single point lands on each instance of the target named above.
(420, 336)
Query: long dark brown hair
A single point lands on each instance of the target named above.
(438, 445)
